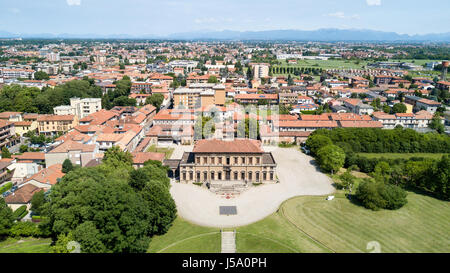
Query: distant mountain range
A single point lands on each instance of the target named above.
(269, 35)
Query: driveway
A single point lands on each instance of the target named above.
(297, 175)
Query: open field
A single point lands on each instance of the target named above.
(274, 234)
(420, 226)
(329, 64)
(184, 237)
(312, 224)
(400, 155)
(25, 245)
(166, 150)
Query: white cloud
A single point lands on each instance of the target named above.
(373, 2)
(73, 2)
(341, 15)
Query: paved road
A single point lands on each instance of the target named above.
(297, 175)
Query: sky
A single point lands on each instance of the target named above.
(161, 17)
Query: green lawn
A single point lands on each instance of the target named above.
(167, 151)
(274, 234)
(25, 245)
(185, 237)
(312, 224)
(400, 155)
(329, 64)
(422, 225)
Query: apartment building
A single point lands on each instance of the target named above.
(14, 73)
(256, 98)
(407, 120)
(53, 124)
(78, 153)
(193, 98)
(7, 133)
(79, 107)
(260, 70)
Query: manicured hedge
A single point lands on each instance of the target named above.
(6, 187)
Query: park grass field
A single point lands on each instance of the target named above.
(420, 226)
(312, 224)
(185, 237)
(25, 245)
(274, 234)
(327, 64)
(401, 155)
(167, 151)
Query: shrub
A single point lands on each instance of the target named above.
(20, 212)
(25, 229)
(6, 187)
(378, 195)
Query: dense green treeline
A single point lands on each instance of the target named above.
(431, 176)
(33, 100)
(369, 140)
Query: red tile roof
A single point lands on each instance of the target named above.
(22, 195)
(48, 175)
(220, 146)
(141, 157)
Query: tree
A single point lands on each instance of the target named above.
(163, 211)
(155, 100)
(41, 75)
(88, 236)
(5, 152)
(62, 243)
(315, 142)
(67, 166)
(115, 157)
(6, 218)
(347, 179)
(368, 194)
(331, 158)
(399, 108)
(23, 149)
(436, 124)
(212, 79)
(101, 209)
(37, 201)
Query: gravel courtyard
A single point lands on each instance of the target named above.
(297, 175)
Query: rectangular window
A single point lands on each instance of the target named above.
(243, 160)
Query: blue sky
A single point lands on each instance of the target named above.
(139, 17)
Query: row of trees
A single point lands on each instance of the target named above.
(432, 176)
(33, 100)
(370, 140)
(295, 70)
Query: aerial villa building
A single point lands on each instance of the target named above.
(227, 162)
